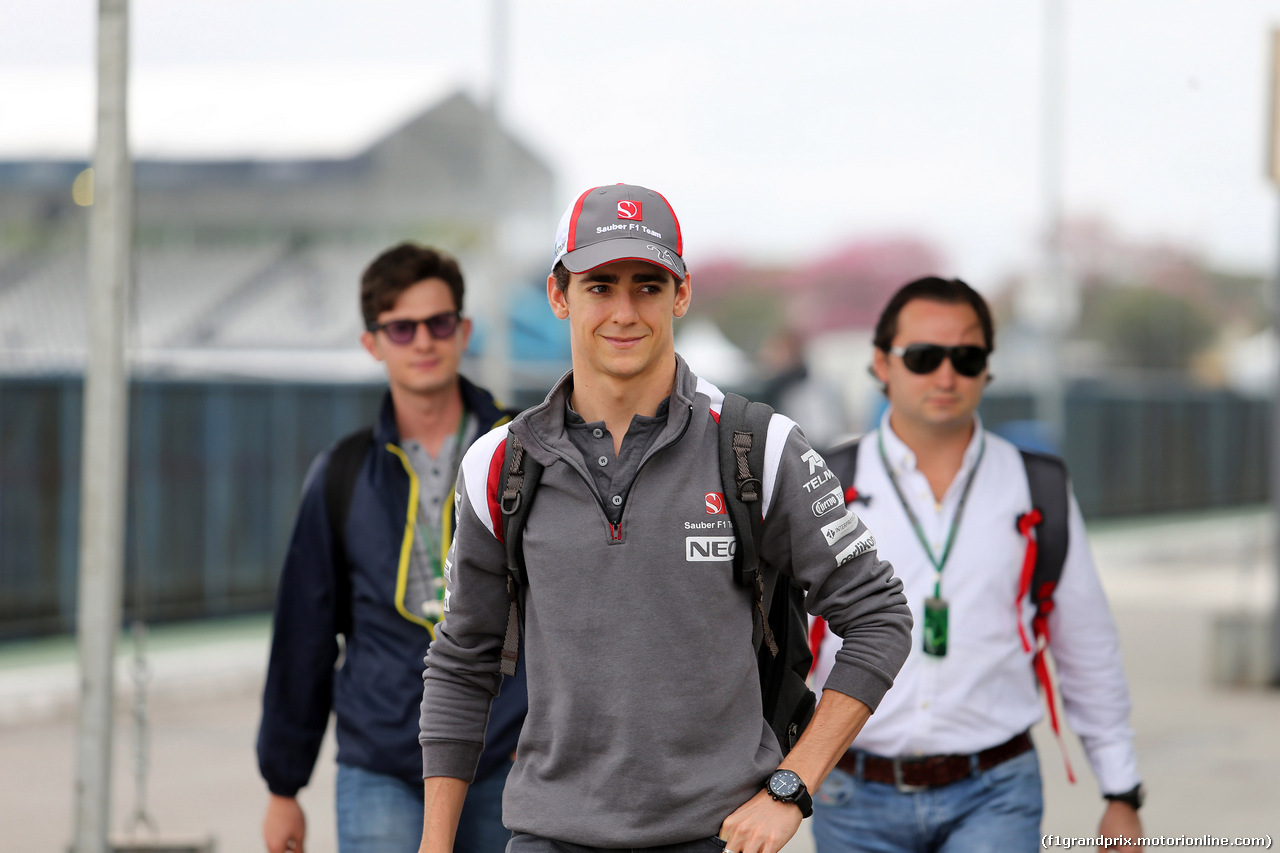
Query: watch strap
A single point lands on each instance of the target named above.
(804, 801)
(1133, 797)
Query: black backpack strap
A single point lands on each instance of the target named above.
(842, 460)
(1047, 477)
(516, 487)
(744, 428)
(345, 461)
(779, 622)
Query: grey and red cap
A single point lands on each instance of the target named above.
(622, 222)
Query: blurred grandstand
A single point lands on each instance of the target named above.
(248, 268)
(244, 341)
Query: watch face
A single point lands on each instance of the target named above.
(784, 783)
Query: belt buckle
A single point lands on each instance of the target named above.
(901, 786)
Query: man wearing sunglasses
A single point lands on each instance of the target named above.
(366, 561)
(946, 764)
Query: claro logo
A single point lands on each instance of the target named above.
(708, 549)
(828, 502)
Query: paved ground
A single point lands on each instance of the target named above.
(1210, 754)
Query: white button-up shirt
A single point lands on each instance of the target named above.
(984, 690)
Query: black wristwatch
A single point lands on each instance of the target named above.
(1134, 797)
(786, 787)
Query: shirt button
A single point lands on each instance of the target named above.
(598, 433)
(617, 500)
(603, 460)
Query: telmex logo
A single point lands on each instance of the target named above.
(708, 549)
(715, 503)
(828, 502)
(630, 210)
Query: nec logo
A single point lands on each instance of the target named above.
(709, 549)
(715, 503)
(631, 210)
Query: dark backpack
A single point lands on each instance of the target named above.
(1047, 477)
(779, 621)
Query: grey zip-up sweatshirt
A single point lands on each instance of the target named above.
(645, 725)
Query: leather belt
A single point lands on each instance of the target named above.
(931, 771)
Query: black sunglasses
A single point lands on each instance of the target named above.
(439, 326)
(968, 360)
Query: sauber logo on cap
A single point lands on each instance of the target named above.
(715, 503)
(630, 210)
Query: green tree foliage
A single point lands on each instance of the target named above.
(1148, 328)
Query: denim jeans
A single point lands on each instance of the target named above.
(524, 843)
(383, 814)
(993, 812)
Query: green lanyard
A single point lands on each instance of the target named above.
(434, 543)
(938, 563)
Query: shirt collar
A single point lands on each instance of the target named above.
(903, 459)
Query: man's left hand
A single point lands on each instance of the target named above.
(1120, 820)
(760, 825)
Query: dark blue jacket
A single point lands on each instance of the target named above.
(378, 690)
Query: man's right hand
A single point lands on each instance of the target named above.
(285, 826)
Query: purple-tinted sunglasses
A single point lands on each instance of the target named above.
(401, 332)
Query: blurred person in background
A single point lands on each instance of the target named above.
(645, 725)
(795, 390)
(365, 562)
(947, 763)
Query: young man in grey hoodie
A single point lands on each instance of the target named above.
(645, 726)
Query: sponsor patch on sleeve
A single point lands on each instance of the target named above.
(840, 528)
(857, 548)
(831, 500)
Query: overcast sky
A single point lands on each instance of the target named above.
(777, 131)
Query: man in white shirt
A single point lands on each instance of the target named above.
(946, 763)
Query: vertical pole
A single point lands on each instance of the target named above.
(105, 427)
(497, 357)
(1273, 172)
(1051, 299)
(1274, 651)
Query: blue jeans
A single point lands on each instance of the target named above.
(383, 814)
(993, 812)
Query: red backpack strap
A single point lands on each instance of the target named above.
(817, 631)
(1045, 529)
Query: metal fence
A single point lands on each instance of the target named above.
(216, 468)
(215, 472)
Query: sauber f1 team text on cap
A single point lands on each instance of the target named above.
(622, 222)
